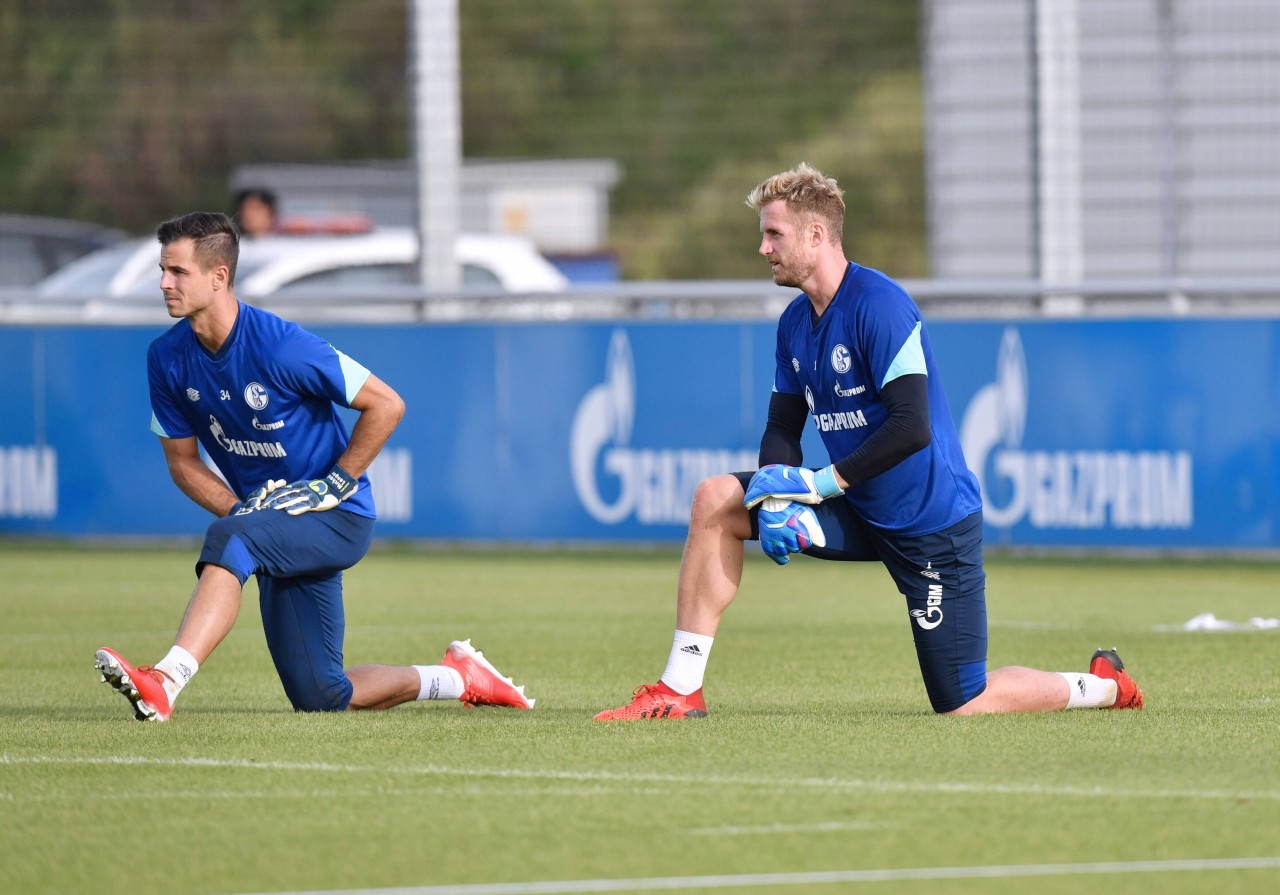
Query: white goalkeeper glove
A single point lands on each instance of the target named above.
(255, 500)
(315, 495)
(792, 483)
(788, 527)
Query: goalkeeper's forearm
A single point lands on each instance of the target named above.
(381, 410)
(780, 442)
(199, 483)
(905, 431)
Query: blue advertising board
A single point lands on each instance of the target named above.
(1118, 433)
(1088, 433)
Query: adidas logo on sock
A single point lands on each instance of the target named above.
(691, 649)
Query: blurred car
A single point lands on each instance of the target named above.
(32, 248)
(364, 263)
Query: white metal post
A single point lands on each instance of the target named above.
(1060, 215)
(436, 137)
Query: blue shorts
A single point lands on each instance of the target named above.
(298, 561)
(942, 577)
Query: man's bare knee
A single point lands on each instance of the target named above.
(717, 502)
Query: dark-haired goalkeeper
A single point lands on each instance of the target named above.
(261, 395)
(853, 354)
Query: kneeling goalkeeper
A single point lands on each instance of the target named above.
(853, 353)
(261, 396)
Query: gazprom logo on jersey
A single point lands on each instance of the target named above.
(852, 419)
(614, 480)
(241, 446)
(1078, 489)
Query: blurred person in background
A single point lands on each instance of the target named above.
(853, 353)
(256, 212)
(262, 396)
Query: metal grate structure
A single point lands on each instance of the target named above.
(1072, 140)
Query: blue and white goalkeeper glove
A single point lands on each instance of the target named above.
(792, 483)
(315, 495)
(788, 527)
(255, 500)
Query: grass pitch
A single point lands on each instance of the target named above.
(820, 754)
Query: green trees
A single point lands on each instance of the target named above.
(129, 111)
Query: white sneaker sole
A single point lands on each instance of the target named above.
(114, 675)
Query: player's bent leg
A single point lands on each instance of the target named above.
(469, 677)
(1015, 689)
(209, 616)
(310, 693)
(1018, 689)
(717, 505)
(211, 612)
(710, 573)
(382, 686)
(299, 562)
(304, 624)
(711, 567)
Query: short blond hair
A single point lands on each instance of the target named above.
(808, 193)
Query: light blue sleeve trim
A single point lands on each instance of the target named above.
(824, 480)
(910, 358)
(156, 427)
(353, 374)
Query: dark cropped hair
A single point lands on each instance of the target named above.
(262, 194)
(217, 241)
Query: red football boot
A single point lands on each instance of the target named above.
(482, 683)
(657, 702)
(1106, 663)
(142, 686)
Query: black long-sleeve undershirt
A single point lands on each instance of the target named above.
(905, 431)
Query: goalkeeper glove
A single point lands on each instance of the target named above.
(317, 494)
(792, 483)
(255, 499)
(787, 527)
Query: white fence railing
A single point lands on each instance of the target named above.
(698, 300)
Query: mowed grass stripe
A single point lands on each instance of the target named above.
(627, 778)
(827, 877)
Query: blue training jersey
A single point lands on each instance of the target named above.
(869, 335)
(264, 407)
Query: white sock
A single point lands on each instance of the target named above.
(1088, 691)
(688, 662)
(439, 682)
(179, 667)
